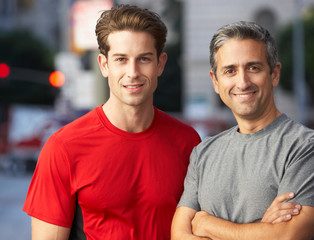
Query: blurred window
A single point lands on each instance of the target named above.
(267, 19)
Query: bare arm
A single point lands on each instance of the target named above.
(278, 211)
(181, 228)
(45, 231)
(299, 227)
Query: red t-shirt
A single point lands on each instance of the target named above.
(127, 184)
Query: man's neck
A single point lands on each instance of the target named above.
(129, 118)
(247, 126)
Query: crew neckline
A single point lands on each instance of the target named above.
(262, 132)
(108, 125)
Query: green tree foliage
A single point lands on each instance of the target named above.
(285, 49)
(21, 50)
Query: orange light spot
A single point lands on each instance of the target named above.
(57, 79)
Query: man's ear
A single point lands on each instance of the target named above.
(161, 63)
(103, 64)
(214, 81)
(275, 75)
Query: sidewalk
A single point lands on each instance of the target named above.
(14, 223)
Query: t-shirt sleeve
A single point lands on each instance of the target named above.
(189, 197)
(50, 197)
(299, 176)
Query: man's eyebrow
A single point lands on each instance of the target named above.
(123, 54)
(118, 54)
(254, 63)
(146, 53)
(247, 64)
(228, 66)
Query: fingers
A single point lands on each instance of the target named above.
(282, 208)
(280, 211)
(287, 205)
(284, 218)
(285, 214)
(283, 197)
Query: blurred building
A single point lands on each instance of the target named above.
(50, 20)
(201, 19)
(42, 17)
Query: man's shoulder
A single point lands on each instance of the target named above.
(168, 119)
(222, 136)
(175, 127)
(214, 143)
(79, 127)
(293, 128)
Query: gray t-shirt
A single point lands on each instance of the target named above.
(237, 176)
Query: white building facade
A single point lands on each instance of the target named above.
(201, 19)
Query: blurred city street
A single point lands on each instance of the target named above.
(49, 75)
(14, 223)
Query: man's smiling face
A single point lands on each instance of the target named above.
(244, 80)
(132, 67)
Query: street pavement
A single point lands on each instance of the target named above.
(14, 223)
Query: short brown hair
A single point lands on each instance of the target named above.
(132, 18)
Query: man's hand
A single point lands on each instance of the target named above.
(199, 223)
(280, 211)
(181, 228)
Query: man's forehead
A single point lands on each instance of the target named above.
(243, 51)
(131, 43)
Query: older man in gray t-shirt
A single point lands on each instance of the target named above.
(242, 173)
(235, 180)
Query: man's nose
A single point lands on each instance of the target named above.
(243, 80)
(132, 71)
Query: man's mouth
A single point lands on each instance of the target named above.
(245, 95)
(133, 86)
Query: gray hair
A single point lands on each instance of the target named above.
(243, 30)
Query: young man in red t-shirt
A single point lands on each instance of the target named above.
(122, 164)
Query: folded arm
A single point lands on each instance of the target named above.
(299, 227)
(278, 211)
(181, 228)
(45, 231)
